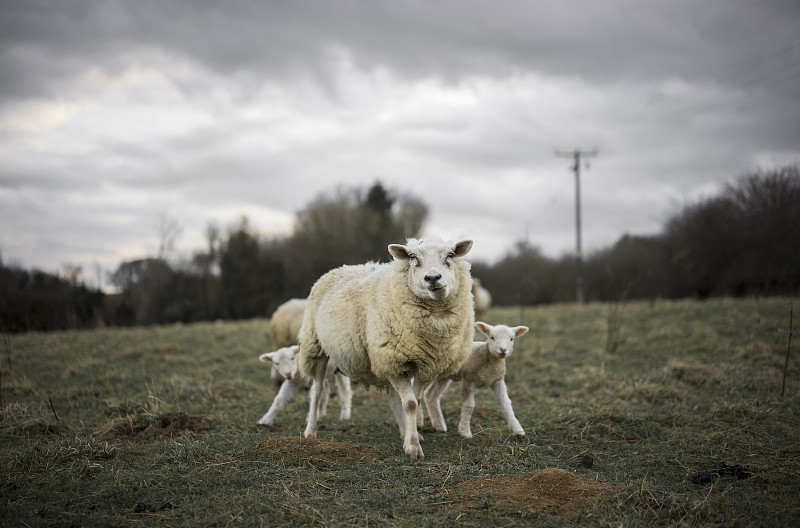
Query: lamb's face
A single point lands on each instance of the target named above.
(500, 338)
(283, 360)
(431, 265)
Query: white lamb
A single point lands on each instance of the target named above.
(486, 366)
(398, 325)
(284, 326)
(483, 299)
(284, 362)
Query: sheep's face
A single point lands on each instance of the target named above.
(431, 265)
(283, 361)
(500, 338)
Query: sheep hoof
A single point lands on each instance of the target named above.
(465, 434)
(415, 451)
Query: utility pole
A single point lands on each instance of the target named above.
(577, 154)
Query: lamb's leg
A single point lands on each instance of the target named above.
(467, 406)
(405, 392)
(397, 410)
(500, 392)
(433, 401)
(324, 397)
(314, 396)
(285, 394)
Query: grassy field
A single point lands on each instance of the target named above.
(637, 414)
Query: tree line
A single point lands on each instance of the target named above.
(743, 241)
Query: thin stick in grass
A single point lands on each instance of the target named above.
(788, 349)
(52, 407)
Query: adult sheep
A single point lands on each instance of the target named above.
(398, 326)
(483, 299)
(284, 326)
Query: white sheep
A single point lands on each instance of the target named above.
(284, 362)
(486, 366)
(483, 299)
(398, 325)
(284, 326)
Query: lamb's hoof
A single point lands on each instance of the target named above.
(465, 434)
(310, 434)
(265, 424)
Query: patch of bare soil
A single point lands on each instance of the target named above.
(554, 489)
(167, 426)
(299, 449)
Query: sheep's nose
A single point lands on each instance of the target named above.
(502, 352)
(433, 278)
(288, 376)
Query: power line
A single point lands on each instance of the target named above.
(577, 154)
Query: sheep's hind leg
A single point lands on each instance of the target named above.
(409, 402)
(500, 392)
(345, 393)
(314, 396)
(433, 401)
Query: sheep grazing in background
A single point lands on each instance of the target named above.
(285, 363)
(483, 299)
(486, 366)
(398, 326)
(284, 326)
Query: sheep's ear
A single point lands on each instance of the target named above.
(398, 251)
(462, 248)
(520, 330)
(295, 349)
(266, 358)
(483, 327)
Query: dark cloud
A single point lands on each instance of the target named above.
(120, 110)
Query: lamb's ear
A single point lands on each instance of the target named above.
(462, 248)
(266, 358)
(520, 330)
(398, 251)
(483, 327)
(295, 349)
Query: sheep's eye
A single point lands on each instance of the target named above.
(492, 338)
(412, 257)
(450, 255)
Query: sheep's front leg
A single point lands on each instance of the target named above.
(285, 394)
(410, 405)
(418, 389)
(500, 392)
(345, 393)
(315, 396)
(433, 401)
(467, 406)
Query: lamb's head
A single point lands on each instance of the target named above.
(500, 338)
(432, 265)
(283, 361)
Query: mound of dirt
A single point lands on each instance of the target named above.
(167, 426)
(298, 449)
(554, 489)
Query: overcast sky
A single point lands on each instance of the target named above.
(114, 114)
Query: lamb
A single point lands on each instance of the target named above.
(284, 362)
(483, 299)
(398, 326)
(284, 326)
(486, 366)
